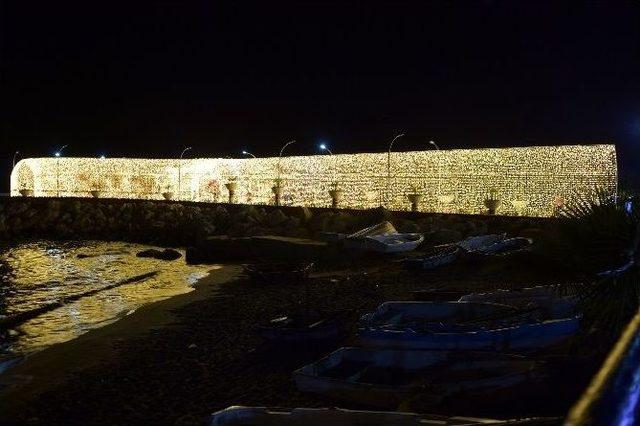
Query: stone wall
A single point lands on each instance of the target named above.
(189, 224)
(528, 181)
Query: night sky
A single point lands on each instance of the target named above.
(148, 78)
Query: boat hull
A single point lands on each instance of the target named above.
(520, 337)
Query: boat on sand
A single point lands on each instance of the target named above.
(385, 378)
(461, 325)
(272, 416)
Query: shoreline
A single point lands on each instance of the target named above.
(40, 371)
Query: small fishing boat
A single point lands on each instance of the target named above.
(253, 416)
(478, 242)
(273, 273)
(407, 314)
(385, 378)
(379, 229)
(460, 325)
(304, 328)
(382, 238)
(519, 336)
(386, 243)
(506, 246)
(437, 295)
(549, 301)
(434, 258)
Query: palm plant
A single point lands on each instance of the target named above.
(601, 237)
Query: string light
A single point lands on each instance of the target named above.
(530, 181)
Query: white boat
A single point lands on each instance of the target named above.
(472, 244)
(379, 229)
(382, 238)
(385, 378)
(386, 243)
(436, 257)
(549, 301)
(520, 336)
(460, 325)
(406, 314)
(506, 246)
(243, 416)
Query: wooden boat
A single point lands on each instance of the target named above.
(548, 301)
(506, 246)
(518, 336)
(408, 314)
(304, 328)
(434, 258)
(386, 243)
(379, 229)
(475, 243)
(385, 378)
(273, 273)
(252, 416)
(437, 295)
(460, 325)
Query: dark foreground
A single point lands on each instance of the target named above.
(210, 357)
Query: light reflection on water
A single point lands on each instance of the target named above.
(44, 272)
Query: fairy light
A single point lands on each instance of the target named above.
(530, 179)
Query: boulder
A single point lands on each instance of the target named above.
(444, 236)
(166, 254)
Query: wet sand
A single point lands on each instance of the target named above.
(176, 361)
(43, 370)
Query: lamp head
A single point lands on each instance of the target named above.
(57, 154)
(102, 157)
(323, 146)
(244, 152)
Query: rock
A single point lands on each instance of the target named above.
(379, 214)
(166, 254)
(275, 218)
(302, 213)
(444, 236)
(406, 226)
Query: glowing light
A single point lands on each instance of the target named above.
(528, 179)
(57, 154)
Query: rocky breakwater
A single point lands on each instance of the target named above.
(203, 225)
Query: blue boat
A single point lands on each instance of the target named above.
(385, 378)
(461, 325)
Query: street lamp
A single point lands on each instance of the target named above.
(323, 147)
(389, 166)
(14, 159)
(434, 144)
(280, 155)
(248, 153)
(58, 153)
(180, 171)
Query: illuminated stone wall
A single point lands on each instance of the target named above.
(528, 181)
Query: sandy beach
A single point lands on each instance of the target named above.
(178, 360)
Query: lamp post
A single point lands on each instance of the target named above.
(277, 188)
(248, 153)
(180, 171)
(57, 154)
(389, 167)
(334, 192)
